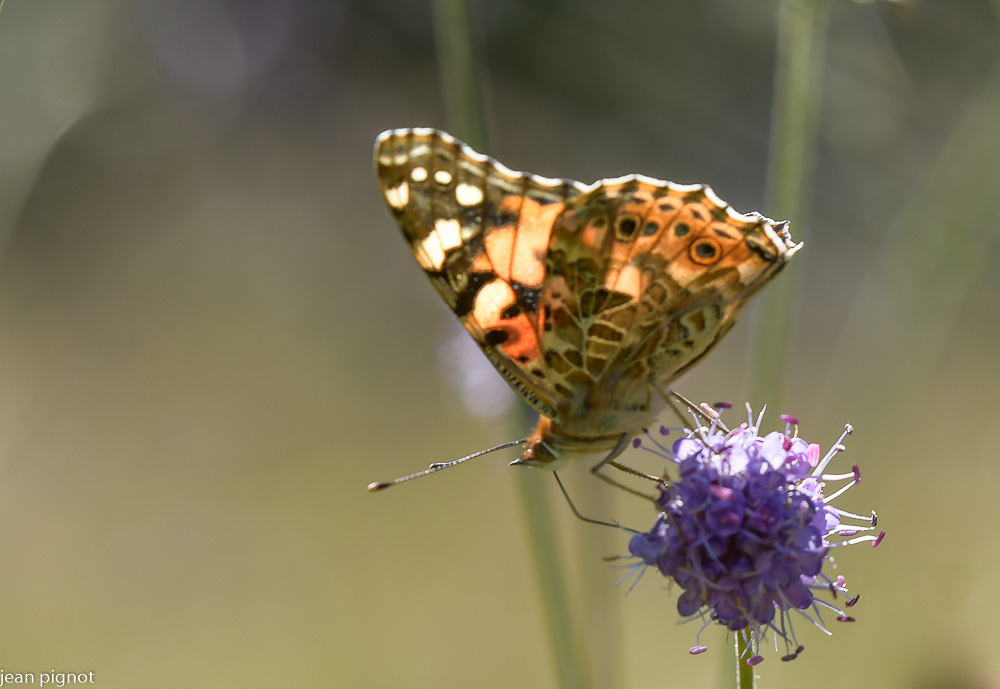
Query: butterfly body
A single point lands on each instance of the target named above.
(589, 300)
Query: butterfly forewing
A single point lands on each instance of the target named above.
(481, 233)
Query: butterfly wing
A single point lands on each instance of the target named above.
(481, 233)
(582, 296)
(645, 277)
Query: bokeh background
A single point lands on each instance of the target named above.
(212, 337)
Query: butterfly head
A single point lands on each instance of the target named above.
(538, 452)
(551, 448)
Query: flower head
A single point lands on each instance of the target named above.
(747, 529)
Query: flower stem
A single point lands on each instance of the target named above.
(544, 546)
(801, 32)
(465, 114)
(745, 676)
(458, 73)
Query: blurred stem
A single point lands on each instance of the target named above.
(801, 32)
(745, 676)
(459, 84)
(544, 545)
(457, 68)
(601, 616)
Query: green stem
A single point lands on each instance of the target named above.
(551, 579)
(801, 32)
(745, 676)
(458, 73)
(463, 103)
(801, 25)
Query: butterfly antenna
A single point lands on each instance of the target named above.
(376, 486)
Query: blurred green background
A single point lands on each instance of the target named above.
(212, 337)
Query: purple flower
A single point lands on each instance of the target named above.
(747, 529)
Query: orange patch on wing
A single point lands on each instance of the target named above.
(593, 237)
(532, 242)
(521, 344)
(499, 242)
(518, 253)
(481, 264)
(522, 341)
(744, 267)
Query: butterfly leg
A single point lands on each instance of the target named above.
(610, 461)
(576, 512)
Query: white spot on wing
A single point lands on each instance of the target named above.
(442, 177)
(506, 171)
(448, 231)
(686, 188)
(430, 255)
(468, 195)
(649, 180)
(617, 180)
(418, 174)
(740, 217)
(474, 155)
(781, 248)
(399, 195)
(546, 181)
(713, 198)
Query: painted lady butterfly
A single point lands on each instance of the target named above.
(589, 299)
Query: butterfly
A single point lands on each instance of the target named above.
(589, 299)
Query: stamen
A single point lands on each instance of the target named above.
(814, 623)
(860, 539)
(837, 447)
(666, 450)
(828, 606)
(851, 515)
(840, 492)
(638, 577)
(760, 417)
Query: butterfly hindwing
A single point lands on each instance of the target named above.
(644, 278)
